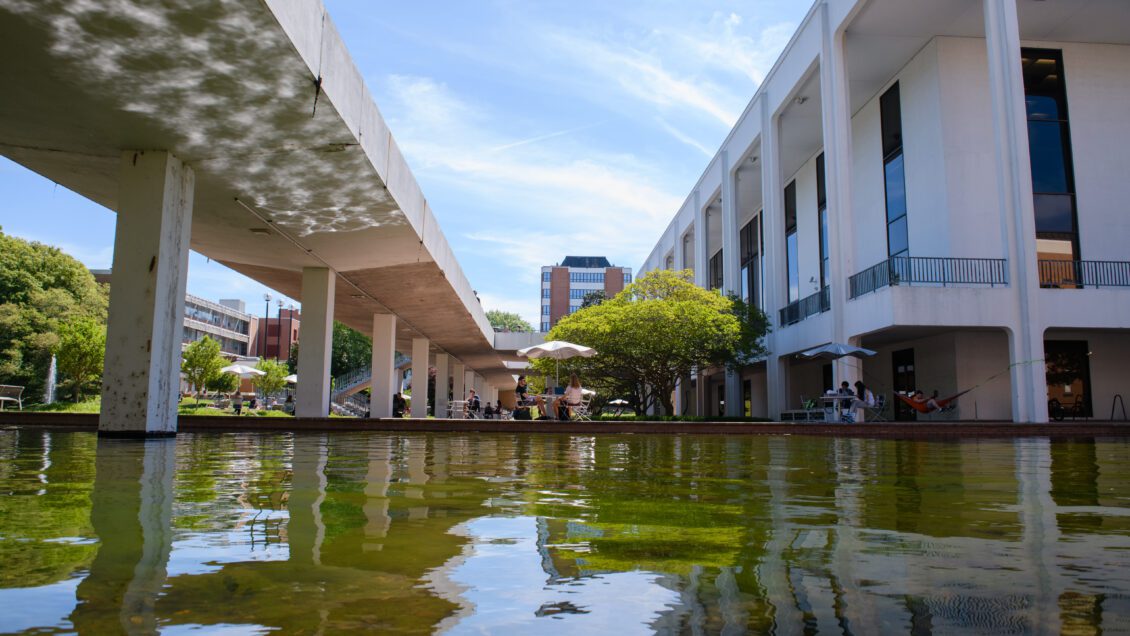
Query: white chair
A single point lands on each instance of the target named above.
(581, 411)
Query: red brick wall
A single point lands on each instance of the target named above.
(558, 294)
(613, 281)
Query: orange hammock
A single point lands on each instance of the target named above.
(944, 404)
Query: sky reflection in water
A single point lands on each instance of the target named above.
(545, 534)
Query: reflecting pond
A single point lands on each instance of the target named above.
(508, 534)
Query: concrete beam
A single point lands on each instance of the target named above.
(143, 355)
(313, 399)
(386, 380)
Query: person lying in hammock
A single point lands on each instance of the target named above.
(930, 403)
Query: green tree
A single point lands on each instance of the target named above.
(352, 350)
(80, 351)
(660, 328)
(223, 383)
(274, 378)
(593, 298)
(41, 288)
(507, 321)
(201, 362)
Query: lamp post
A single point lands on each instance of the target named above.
(289, 329)
(266, 319)
(278, 339)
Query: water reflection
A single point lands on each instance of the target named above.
(543, 533)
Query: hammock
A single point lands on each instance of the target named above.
(944, 404)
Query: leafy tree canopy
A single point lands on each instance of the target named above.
(201, 362)
(507, 321)
(658, 329)
(40, 289)
(351, 350)
(80, 352)
(223, 383)
(274, 379)
(594, 297)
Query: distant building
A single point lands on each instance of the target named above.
(564, 286)
(226, 322)
(275, 335)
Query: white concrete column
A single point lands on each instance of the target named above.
(313, 392)
(469, 381)
(678, 402)
(420, 347)
(680, 248)
(836, 122)
(459, 384)
(386, 380)
(700, 395)
(701, 275)
(773, 222)
(443, 373)
(146, 319)
(1018, 224)
(731, 279)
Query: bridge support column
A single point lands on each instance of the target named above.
(443, 375)
(141, 380)
(385, 381)
(313, 399)
(459, 384)
(420, 365)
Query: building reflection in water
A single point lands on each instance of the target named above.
(466, 533)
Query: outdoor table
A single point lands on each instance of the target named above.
(456, 409)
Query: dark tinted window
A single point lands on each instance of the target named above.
(890, 109)
(790, 207)
(821, 189)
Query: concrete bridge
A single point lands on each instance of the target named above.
(240, 129)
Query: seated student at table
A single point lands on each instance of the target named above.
(572, 397)
(522, 397)
(473, 404)
(399, 404)
(845, 390)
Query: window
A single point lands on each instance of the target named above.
(544, 327)
(628, 278)
(545, 292)
(749, 241)
(545, 310)
(586, 277)
(894, 173)
(578, 294)
(715, 270)
(792, 267)
(574, 308)
(545, 277)
(1049, 151)
(822, 214)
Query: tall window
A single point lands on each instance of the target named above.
(1049, 149)
(545, 277)
(792, 267)
(894, 172)
(822, 213)
(545, 292)
(715, 270)
(749, 243)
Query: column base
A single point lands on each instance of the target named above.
(142, 435)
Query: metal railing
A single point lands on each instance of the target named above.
(797, 311)
(1078, 274)
(347, 381)
(917, 270)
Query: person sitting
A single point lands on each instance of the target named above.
(572, 397)
(473, 403)
(864, 398)
(930, 402)
(498, 408)
(253, 403)
(288, 406)
(845, 389)
(398, 404)
(523, 399)
(488, 412)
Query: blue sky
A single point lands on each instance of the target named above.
(536, 130)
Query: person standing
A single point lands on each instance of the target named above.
(237, 403)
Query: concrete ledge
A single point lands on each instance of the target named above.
(896, 430)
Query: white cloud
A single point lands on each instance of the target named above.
(683, 137)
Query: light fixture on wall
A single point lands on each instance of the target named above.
(800, 100)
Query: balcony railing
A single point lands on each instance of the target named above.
(797, 311)
(1077, 274)
(915, 270)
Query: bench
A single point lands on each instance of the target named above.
(9, 393)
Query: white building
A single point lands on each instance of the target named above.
(943, 181)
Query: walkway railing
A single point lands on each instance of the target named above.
(917, 270)
(343, 383)
(797, 311)
(1077, 274)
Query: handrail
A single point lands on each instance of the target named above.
(347, 381)
(1064, 274)
(929, 270)
(811, 305)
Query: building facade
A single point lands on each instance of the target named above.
(941, 181)
(225, 322)
(564, 286)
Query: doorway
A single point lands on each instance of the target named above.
(902, 362)
(1068, 364)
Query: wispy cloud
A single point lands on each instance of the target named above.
(531, 140)
(683, 137)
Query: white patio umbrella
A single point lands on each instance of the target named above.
(558, 350)
(291, 379)
(835, 350)
(242, 370)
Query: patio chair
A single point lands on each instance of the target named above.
(581, 411)
(10, 393)
(875, 413)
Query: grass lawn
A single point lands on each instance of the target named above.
(188, 406)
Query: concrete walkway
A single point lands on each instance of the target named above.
(894, 430)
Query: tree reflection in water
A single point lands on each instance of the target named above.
(419, 532)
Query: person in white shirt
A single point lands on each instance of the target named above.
(563, 405)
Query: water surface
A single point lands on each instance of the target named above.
(510, 534)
